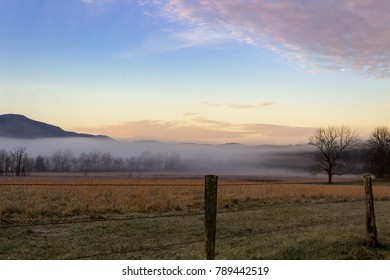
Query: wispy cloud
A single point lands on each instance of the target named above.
(278, 131)
(199, 36)
(190, 114)
(96, 1)
(261, 105)
(172, 40)
(163, 130)
(173, 36)
(205, 130)
(98, 8)
(344, 35)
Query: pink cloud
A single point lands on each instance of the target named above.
(205, 130)
(348, 35)
(163, 130)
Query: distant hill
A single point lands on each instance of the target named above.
(21, 127)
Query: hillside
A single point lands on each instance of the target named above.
(21, 127)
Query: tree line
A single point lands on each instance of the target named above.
(17, 162)
(338, 151)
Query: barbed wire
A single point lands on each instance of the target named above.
(295, 227)
(101, 220)
(143, 248)
(165, 246)
(349, 219)
(267, 207)
(130, 184)
(97, 185)
(118, 185)
(190, 242)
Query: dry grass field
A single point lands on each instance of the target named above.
(71, 217)
(57, 197)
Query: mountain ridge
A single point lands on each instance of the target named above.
(21, 127)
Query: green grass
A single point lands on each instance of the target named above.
(315, 231)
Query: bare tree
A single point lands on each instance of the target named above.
(39, 164)
(27, 165)
(106, 161)
(61, 160)
(94, 160)
(173, 162)
(20, 161)
(332, 144)
(84, 163)
(378, 152)
(3, 162)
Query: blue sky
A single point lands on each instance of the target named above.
(205, 71)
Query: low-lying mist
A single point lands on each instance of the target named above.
(234, 159)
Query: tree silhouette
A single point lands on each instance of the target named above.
(20, 161)
(332, 144)
(378, 151)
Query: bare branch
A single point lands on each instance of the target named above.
(332, 142)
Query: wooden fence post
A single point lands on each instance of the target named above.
(370, 218)
(210, 198)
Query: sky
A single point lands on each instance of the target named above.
(253, 72)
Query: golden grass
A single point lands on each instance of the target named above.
(75, 196)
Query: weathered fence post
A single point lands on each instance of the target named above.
(210, 198)
(370, 218)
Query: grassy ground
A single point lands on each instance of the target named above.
(256, 220)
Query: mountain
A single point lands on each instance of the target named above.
(19, 126)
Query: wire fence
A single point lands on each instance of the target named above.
(126, 184)
(14, 224)
(200, 239)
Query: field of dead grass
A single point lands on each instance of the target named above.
(57, 197)
(160, 218)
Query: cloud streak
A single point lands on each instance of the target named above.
(205, 130)
(344, 35)
(261, 105)
(96, 1)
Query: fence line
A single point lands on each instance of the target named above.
(101, 220)
(150, 185)
(291, 228)
(95, 185)
(371, 230)
(152, 247)
(165, 246)
(210, 255)
(355, 218)
(210, 217)
(268, 207)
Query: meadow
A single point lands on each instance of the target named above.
(161, 217)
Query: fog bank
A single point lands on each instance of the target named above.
(227, 158)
